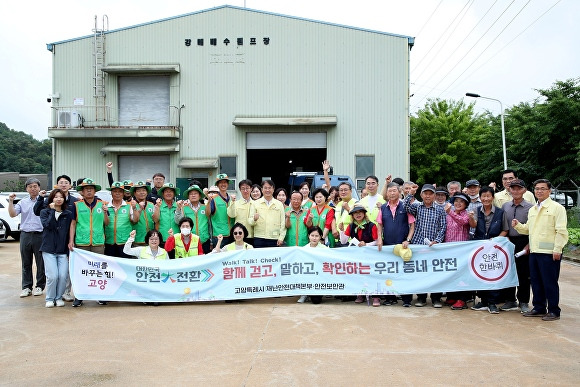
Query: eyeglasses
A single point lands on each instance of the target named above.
(541, 189)
(154, 238)
(238, 233)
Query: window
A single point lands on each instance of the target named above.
(144, 101)
(228, 166)
(365, 166)
(141, 168)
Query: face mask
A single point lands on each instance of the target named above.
(185, 231)
(473, 197)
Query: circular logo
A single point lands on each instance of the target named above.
(490, 262)
(99, 210)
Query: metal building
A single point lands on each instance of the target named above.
(245, 92)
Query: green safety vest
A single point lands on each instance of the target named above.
(90, 230)
(297, 233)
(320, 221)
(220, 221)
(200, 222)
(180, 246)
(167, 219)
(144, 254)
(119, 227)
(145, 223)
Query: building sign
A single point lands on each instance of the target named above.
(238, 41)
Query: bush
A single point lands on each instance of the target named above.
(574, 236)
(573, 217)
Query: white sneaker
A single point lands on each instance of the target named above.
(49, 304)
(25, 293)
(37, 291)
(68, 297)
(302, 299)
(59, 303)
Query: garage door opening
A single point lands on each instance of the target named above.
(277, 154)
(278, 164)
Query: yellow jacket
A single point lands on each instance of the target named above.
(240, 209)
(271, 223)
(546, 228)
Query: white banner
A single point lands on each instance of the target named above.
(289, 271)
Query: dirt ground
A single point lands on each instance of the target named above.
(276, 341)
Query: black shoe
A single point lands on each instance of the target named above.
(76, 303)
(550, 317)
(493, 309)
(102, 302)
(534, 313)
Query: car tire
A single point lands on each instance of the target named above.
(6, 229)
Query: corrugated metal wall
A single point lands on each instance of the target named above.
(308, 69)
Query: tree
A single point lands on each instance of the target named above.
(544, 137)
(20, 152)
(445, 137)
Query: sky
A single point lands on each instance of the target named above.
(501, 49)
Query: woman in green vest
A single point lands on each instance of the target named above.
(321, 215)
(239, 233)
(142, 217)
(184, 243)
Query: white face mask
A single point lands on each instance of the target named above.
(185, 231)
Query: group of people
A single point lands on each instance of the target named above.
(148, 222)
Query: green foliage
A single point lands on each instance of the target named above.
(20, 152)
(450, 142)
(445, 137)
(544, 137)
(574, 236)
(573, 215)
(14, 186)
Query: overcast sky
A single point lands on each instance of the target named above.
(502, 49)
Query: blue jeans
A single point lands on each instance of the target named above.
(56, 270)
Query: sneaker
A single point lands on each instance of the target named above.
(524, 307)
(37, 291)
(459, 304)
(59, 303)
(68, 297)
(420, 302)
(450, 301)
(102, 302)
(359, 299)
(406, 304)
(493, 309)
(76, 303)
(302, 299)
(49, 304)
(437, 304)
(479, 306)
(509, 305)
(376, 301)
(387, 303)
(25, 293)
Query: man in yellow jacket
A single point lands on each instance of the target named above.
(267, 216)
(546, 227)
